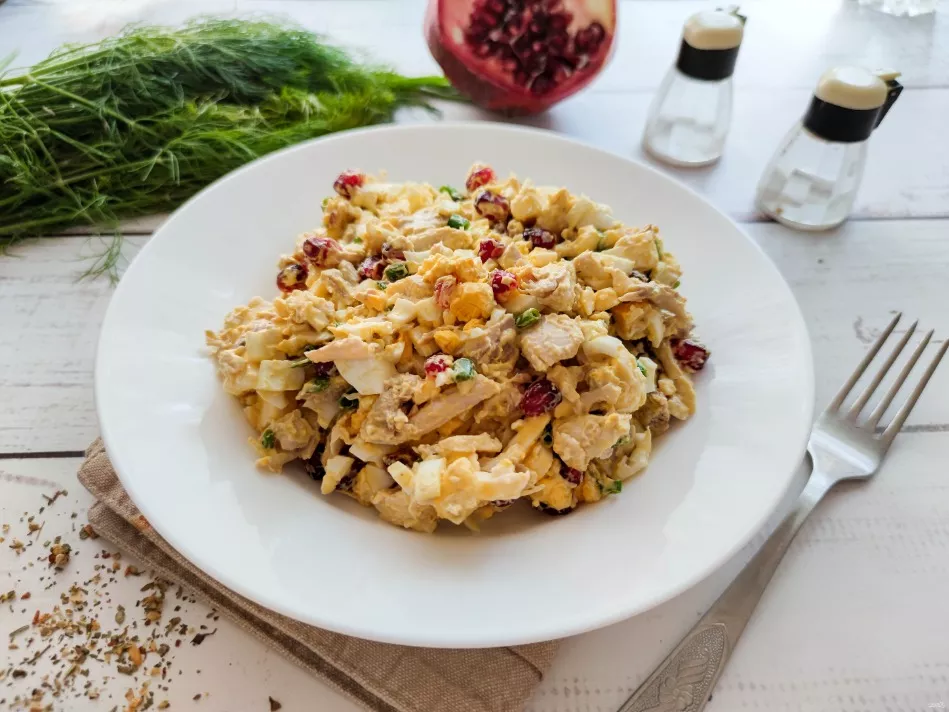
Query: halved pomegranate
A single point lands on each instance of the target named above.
(520, 56)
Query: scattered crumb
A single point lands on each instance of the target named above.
(59, 554)
(79, 647)
(274, 705)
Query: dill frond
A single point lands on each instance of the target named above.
(136, 124)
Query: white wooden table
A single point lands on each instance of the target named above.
(857, 617)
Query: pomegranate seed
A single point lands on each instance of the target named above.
(490, 249)
(348, 183)
(318, 249)
(572, 475)
(324, 369)
(493, 206)
(292, 277)
(436, 364)
(540, 237)
(502, 284)
(444, 286)
(372, 267)
(540, 397)
(589, 38)
(553, 511)
(314, 467)
(543, 84)
(479, 177)
(691, 354)
(390, 253)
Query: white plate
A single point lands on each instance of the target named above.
(179, 443)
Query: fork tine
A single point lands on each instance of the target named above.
(895, 388)
(894, 427)
(875, 383)
(855, 376)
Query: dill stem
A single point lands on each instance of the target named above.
(16, 228)
(85, 102)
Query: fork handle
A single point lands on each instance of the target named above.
(683, 681)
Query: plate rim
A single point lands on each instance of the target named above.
(429, 638)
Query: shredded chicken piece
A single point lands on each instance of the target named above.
(663, 296)
(395, 506)
(554, 285)
(555, 338)
(492, 345)
(460, 444)
(582, 438)
(350, 348)
(388, 425)
(386, 419)
(447, 236)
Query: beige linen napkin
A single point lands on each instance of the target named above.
(383, 678)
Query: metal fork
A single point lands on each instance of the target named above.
(842, 447)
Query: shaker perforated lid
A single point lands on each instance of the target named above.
(710, 42)
(849, 102)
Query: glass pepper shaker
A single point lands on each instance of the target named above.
(690, 115)
(812, 179)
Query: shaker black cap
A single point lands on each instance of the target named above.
(850, 102)
(710, 42)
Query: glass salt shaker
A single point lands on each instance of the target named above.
(690, 115)
(902, 8)
(812, 179)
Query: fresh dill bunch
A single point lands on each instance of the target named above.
(137, 123)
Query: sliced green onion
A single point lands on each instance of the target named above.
(452, 193)
(318, 385)
(396, 271)
(526, 318)
(463, 369)
(676, 285)
(382, 285)
(300, 362)
(267, 439)
(458, 222)
(642, 369)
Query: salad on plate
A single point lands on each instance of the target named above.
(438, 354)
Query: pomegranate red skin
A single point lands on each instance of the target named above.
(484, 83)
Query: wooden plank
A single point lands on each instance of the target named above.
(888, 536)
(237, 670)
(846, 282)
(611, 114)
(865, 578)
(787, 45)
(49, 314)
(893, 187)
